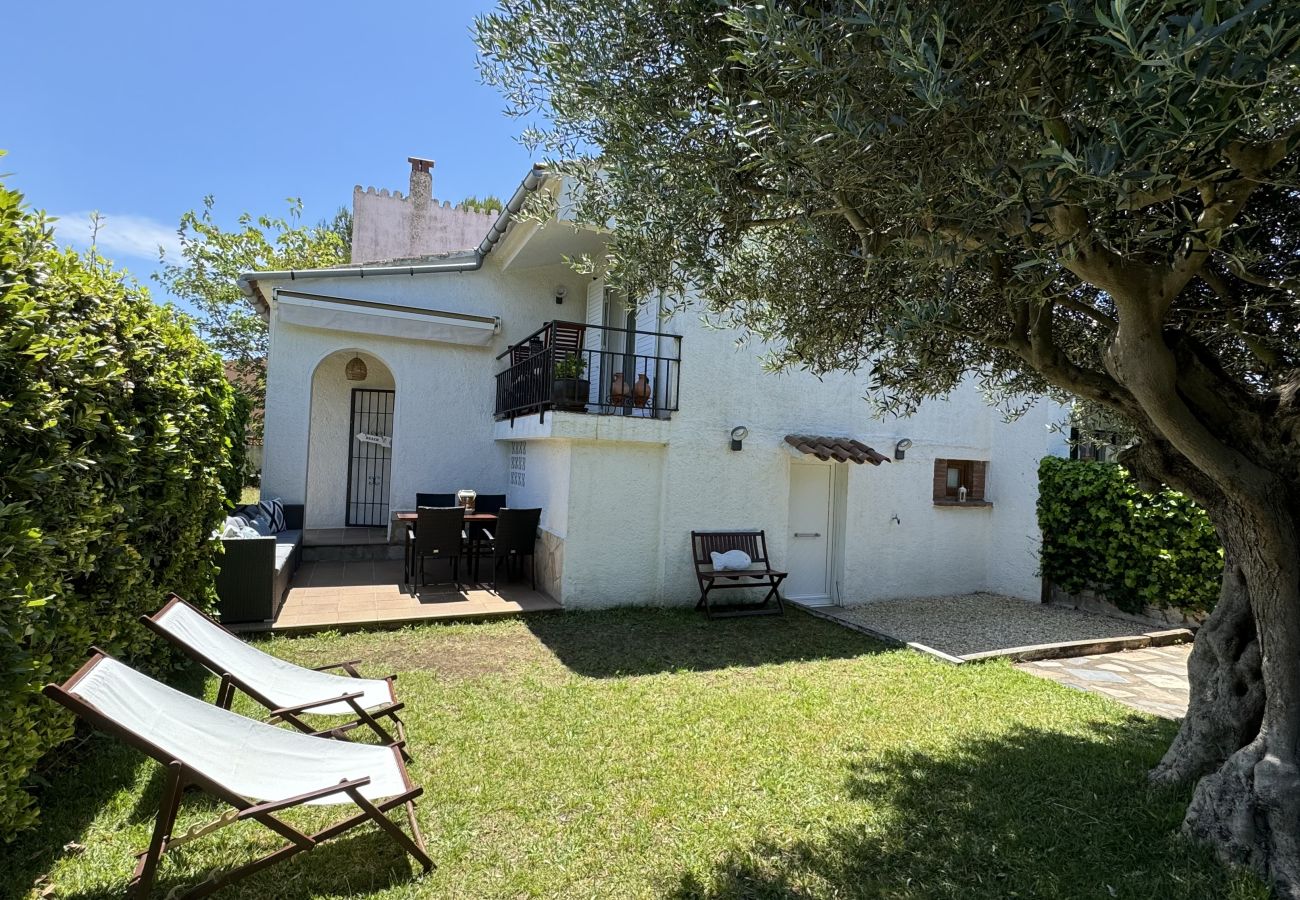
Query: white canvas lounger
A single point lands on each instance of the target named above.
(283, 688)
(257, 768)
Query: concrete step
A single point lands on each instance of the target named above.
(352, 552)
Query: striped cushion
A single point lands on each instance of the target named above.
(274, 510)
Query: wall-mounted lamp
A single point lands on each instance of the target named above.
(738, 434)
(901, 448)
(560, 293)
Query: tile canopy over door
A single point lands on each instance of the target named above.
(370, 456)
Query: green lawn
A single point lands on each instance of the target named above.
(653, 754)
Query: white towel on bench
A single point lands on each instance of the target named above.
(731, 561)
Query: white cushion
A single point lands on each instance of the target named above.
(731, 561)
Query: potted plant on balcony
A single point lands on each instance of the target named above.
(569, 390)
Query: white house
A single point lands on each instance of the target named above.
(445, 403)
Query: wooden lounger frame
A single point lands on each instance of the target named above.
(754, 543)
(291, 714)
(181, 776)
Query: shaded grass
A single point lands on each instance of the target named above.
(651, 754)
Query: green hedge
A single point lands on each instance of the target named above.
(1100, 531)
(113, 438)
(236, 473)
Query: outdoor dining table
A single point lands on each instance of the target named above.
(476, 518)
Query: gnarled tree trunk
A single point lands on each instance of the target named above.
(1248, 808)
(1241, 735)
(1227, 688)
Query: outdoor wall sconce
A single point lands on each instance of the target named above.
(901, 448)
(356, 369)
(738, 434)
(560, 293)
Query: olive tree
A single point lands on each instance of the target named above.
(207, 276)
(1092, 200)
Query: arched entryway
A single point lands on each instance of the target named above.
(349, 448)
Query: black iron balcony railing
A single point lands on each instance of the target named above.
(570, 366)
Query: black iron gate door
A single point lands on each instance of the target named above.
(370, 456)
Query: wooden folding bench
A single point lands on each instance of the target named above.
(258, 769)
(288, 691)
(759, 575)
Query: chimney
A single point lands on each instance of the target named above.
(421, 180)
(421, 198)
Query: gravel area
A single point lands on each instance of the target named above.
(977, 623)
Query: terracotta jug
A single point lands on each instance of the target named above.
(641, 390)
(618, 392)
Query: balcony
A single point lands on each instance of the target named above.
(574, 367)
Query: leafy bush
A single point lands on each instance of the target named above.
(113, 438)
(1100, 531)
(236, 473)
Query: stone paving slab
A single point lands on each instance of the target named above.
(1142, 679)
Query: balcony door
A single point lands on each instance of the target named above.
(622, 363)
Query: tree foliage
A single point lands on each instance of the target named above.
(113, 447)
(490, 203)
(918, 185)
(1096, 199)
(212, 259)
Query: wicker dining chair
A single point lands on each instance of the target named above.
(438, 532)
(515, 537)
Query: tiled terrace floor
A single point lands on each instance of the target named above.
(342, 594)
(1153, 680)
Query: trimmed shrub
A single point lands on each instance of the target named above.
(1101, 532)
(235, 475)
(113, 438)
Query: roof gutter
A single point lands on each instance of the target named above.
(248, 281)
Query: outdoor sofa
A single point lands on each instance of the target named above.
(256, 571)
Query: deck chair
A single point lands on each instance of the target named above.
(285, 689)
(565, 338)
(257, 768)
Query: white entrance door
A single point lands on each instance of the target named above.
(809, 540)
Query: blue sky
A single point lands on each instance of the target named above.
(139, 109)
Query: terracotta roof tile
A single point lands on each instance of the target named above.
(840, 449)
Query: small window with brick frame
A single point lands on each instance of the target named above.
(951, 475)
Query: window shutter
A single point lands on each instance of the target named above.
(940, 479)
(978, 479)
(594, 339)
(647, 348)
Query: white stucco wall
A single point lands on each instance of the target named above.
(443, 431)
(613, 551)
(389, 226)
